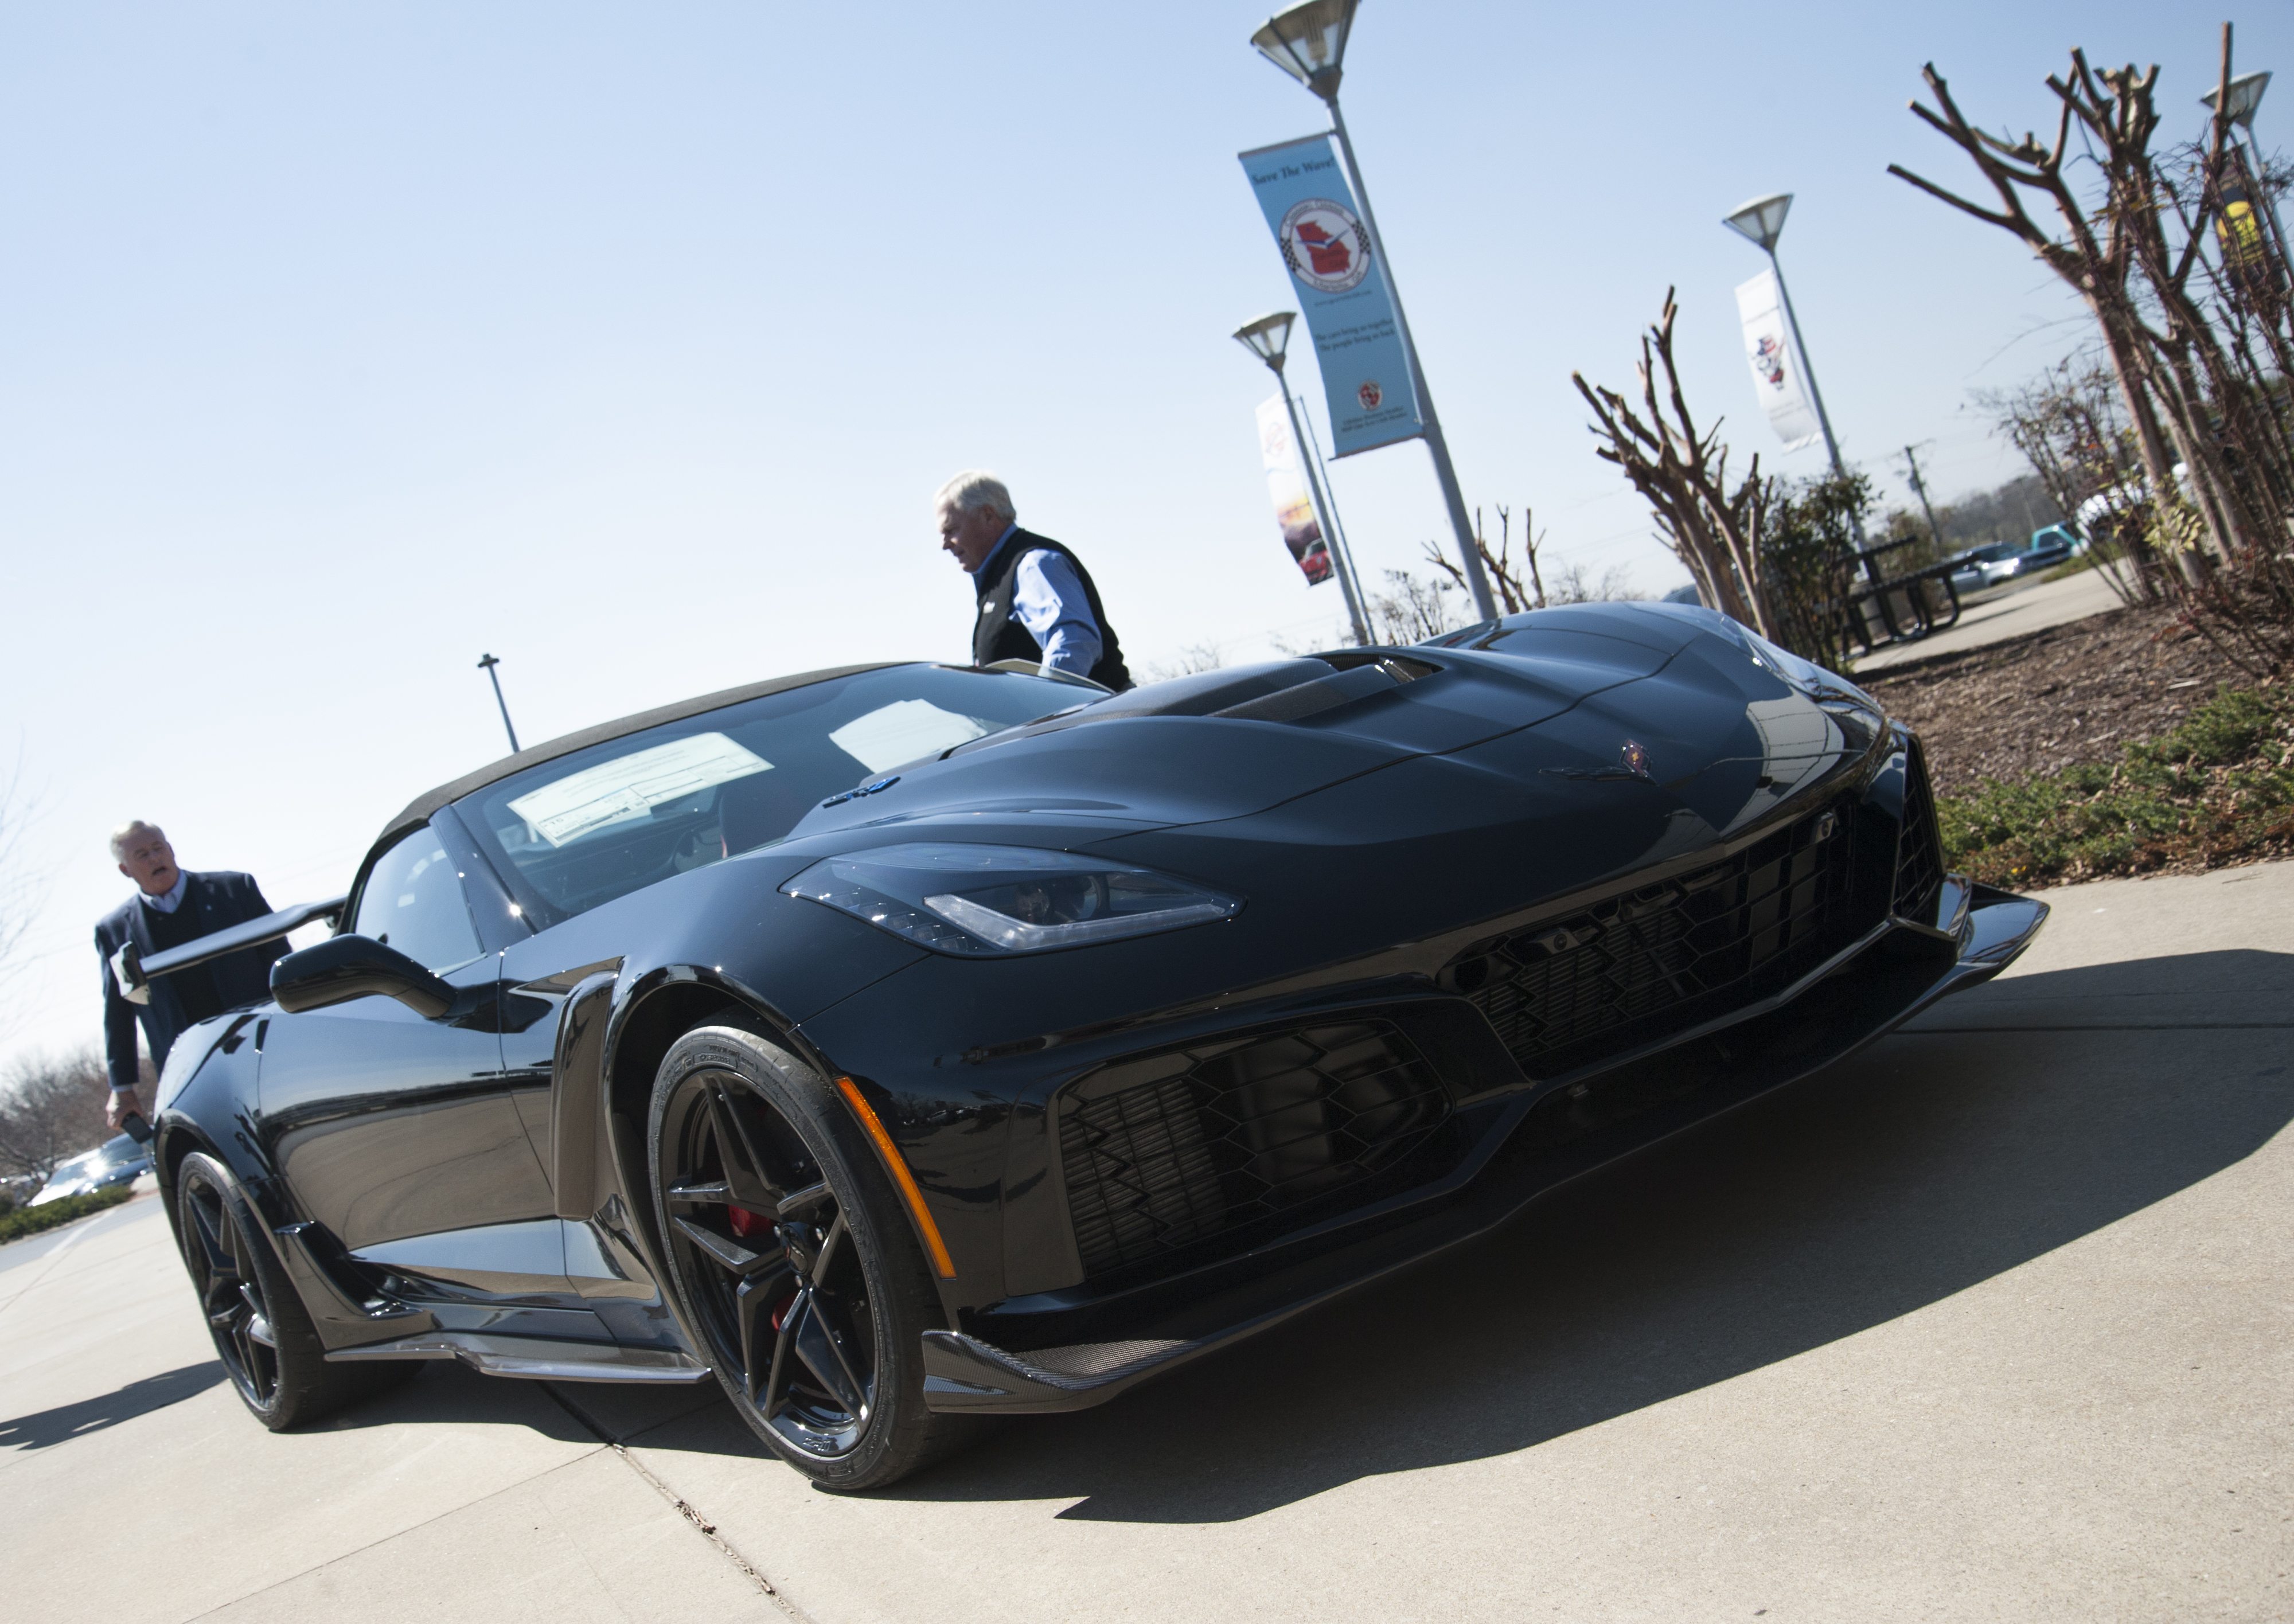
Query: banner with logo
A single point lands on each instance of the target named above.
(1286, 483)
(1779, 374)
(1343, 295)
(2246, 255)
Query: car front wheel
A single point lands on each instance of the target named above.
(791, 1258)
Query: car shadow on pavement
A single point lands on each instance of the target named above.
(1930, 1164)
(44, 1428)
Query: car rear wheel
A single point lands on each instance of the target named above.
(268, 1345)
(790, 1256)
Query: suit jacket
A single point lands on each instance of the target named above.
(214, 902)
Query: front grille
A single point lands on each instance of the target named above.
(1919, 850)
(1632, 969)
(1176, 1148)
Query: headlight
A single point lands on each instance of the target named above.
(983, 900)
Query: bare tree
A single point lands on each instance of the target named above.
(1412, 609)
(1205, 656)
(2070, 424)
(1712, 528)
(51, 1108)
(2186, 338)
(1514, 594)
(1571, 586)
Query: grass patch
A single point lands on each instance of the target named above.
(32, 1220)
(2218, 788)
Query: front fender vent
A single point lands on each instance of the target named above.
(1178, 1149)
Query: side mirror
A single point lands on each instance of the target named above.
(346, 967)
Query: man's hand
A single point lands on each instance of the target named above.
(123, 1105)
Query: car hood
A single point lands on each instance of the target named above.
(1537, 717)
(1234, 743)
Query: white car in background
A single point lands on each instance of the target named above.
(117, 1160)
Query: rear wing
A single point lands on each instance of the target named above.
(135, 972)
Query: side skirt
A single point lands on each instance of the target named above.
(536, 1359)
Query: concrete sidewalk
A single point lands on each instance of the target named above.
(1993, 1322)
(2012, 614)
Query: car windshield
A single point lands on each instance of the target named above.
(600, 823)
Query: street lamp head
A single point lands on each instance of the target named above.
(1308, 42)
(1762, 219)
(486, 661)
(1268, 337)
(2245, 97)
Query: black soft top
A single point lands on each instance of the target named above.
(418, 810)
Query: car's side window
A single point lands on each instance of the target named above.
(412, 900)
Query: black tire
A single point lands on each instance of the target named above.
(791, 1256)
(262, 1331)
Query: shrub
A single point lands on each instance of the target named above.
(2218, 787)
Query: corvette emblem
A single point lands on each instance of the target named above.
(1636, 759)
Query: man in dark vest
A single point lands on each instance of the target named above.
(171, 907)
(1037, 602)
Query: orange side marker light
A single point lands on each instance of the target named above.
(901, 1176)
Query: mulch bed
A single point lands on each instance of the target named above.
(2053, 699)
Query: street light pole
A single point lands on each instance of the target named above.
(1308, 42)
(1269, 339)
(486, 663)
(1762, 221)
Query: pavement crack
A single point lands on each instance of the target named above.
(677, 1503)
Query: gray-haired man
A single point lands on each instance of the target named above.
(1037, 601)
(171, 907)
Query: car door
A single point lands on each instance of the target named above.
(401, 1134)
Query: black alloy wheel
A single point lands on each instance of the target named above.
(261, 1329)
(216, 1250)
(790, 1260)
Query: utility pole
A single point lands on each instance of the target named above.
(486, 663)
(1920, 489)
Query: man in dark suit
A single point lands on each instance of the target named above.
(171, 907)
(1036, 600)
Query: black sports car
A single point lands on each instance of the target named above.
(897, 1043)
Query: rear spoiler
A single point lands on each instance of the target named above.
(135, 972)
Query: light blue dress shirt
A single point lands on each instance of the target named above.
(172, 898)
(1049, 600)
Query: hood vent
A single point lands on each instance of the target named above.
(1278, 691)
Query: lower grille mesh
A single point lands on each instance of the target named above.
(1166, 1151)
(1634, 968)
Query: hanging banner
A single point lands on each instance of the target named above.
(1779, 374)
(1310, 210)
(1286, 483)
(2247, 261)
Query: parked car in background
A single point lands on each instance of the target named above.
(2005, 561)
(115, 1161)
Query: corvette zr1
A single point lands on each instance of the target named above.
(898, 1045)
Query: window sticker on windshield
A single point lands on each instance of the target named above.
(633, 785)
(906, 730)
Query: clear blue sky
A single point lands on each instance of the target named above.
(338, 343)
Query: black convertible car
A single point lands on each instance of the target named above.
(898, 1043)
